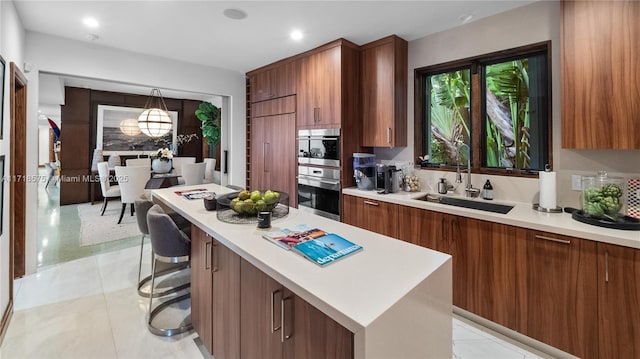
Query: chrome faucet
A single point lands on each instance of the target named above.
(470, 191)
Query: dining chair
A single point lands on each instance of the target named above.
(169, 245)
(193, 173)
(139, 162)
(108, 191)
(131, 180)
(210, 169)
(179, 161)
(52, 172)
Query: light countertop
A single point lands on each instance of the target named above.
(522, 215)
(354, 291)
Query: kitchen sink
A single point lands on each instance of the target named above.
(468, 203)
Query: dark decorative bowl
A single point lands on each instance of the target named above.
(232, 209)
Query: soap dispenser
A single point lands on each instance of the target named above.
(442, 186)
(487, 191)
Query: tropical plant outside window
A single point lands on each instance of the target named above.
(508, 127)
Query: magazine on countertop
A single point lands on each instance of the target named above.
(195, 193)
(315, 244)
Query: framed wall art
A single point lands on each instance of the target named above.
(117, 132)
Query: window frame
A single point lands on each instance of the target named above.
(477, 107)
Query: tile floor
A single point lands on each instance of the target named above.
(88, 307)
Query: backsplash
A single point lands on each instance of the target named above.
(506, 188)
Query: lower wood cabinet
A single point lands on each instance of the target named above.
(618, 301)
(215, 295)
(275, 323)
(376, 216)
(484, 273)
(557, 292)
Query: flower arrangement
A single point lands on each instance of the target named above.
(163, 154)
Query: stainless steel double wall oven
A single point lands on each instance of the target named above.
(319, 171)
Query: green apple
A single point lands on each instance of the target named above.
(256, 196)
(244, 194)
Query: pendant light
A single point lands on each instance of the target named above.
(154, 120)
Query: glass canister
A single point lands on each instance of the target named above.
(604, 197)
(410, 182)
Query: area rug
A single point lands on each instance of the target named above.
(96, 229)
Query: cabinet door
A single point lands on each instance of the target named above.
(421, 227)
(225, 304)
(261, 84)
(618, 301)
(375, 216)
(274, 82)
(201, 285)
(285, 79)
(556, 291)
(485, 283)
(314, 335)
(319, 90)
(384, 92)
(260, 314)
(281, 157)
(258, 159)
(600, 74)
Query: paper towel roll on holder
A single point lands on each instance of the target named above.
(537, 207)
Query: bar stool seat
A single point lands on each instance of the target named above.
(169, 245)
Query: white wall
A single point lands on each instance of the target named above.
(43, 145)
(526, 25)
(63, 56)
(12, 38)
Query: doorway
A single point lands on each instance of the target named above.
(18, 155)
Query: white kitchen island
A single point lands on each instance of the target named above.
(395, 297)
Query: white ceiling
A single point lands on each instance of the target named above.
(198, 32)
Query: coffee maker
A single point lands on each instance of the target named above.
(387, 178)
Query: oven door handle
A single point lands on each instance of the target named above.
(318, 182)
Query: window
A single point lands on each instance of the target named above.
(497, 104)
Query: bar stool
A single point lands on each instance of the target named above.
(142, 205)
(170, 245)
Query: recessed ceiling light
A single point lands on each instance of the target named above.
(465, 18)
(296, 35)
(234, 14)
(90, 22)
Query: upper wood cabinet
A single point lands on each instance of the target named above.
(383, 66)
(600, 74)
(327, 86)
(274, 81)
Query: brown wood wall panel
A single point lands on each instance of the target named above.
(77, 105)
(73, 187)
(74, 138)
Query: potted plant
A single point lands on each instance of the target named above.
(209, 115)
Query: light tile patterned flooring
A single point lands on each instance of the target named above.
(89, 308)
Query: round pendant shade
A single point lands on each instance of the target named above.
(154, 122)
(129, 127)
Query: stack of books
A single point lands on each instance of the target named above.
(315, 244)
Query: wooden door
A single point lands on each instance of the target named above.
(225, 303)
(314, 335)
(259, 180)
(600, 74)
(260, 314)
(284, 83)
(327, 66)
(377, 95)
(421, 227)
(261, 85)
(18, 155)
(618, 301)
(376, 216)
(201, 286)
(485, 284)
(556, 292)
(281, 157)
(306, 96)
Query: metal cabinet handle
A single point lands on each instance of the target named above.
(207, 255)
(606, 267)
(553, 239)
(316, 114)
(371, 203)
(265, 156)
(214, 254)
(388, 134)
(273, 303)
(283, 336)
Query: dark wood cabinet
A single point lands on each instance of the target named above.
(484, 274)
(319, 89)
(600, 74)
(618, 301)
(276, 80)
(557, 292)
(275, 323)
(215, 295)
(383, 66)
(376, 216)
(273, 154)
